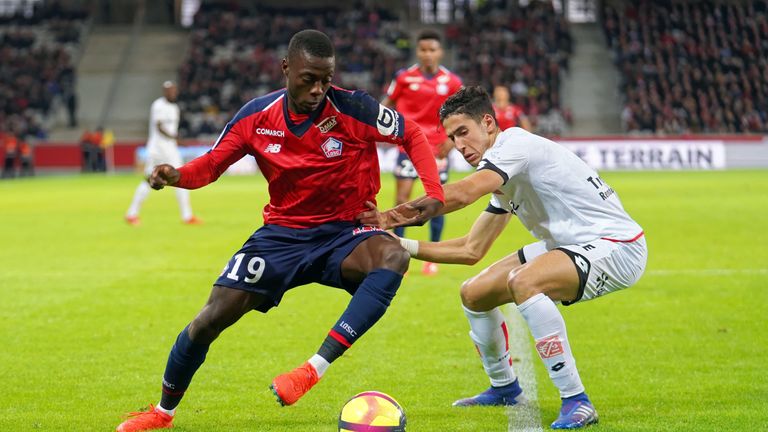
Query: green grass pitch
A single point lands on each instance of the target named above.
(90, 308)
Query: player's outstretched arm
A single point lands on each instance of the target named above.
(457, 196)
(463, 250)
(162, 176)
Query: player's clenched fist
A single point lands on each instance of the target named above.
(163, 175)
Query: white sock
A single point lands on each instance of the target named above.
(163, 410)
(182, 196)
(142, 191)
(548, 329)
(320, 364)
(490, 335)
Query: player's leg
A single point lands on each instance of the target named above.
(182, 195)
(141, 194)
(224, 307)
(481, 297)
(535, 286)
(185, 207)
(403, 191)
(437, 223)
(405, 175)
(377, 264)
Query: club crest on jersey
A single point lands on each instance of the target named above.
(332, 148)
(327, 124)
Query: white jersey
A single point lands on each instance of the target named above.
(556, 196)
(160, 148)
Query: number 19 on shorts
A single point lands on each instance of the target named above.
(254, 269)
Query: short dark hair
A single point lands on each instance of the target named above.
(472, 101)
(428, 35)
(312, 42)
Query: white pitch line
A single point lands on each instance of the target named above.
(524, 417)
(707, 272)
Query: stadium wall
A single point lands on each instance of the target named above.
(603, 153)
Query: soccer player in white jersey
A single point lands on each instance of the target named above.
(588, 246)
(162, 148)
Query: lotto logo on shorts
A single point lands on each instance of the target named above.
(549, 346)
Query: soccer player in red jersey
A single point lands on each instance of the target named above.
(316, 146)
(418, 92)
(507, 113)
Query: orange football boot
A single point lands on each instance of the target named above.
(291, 386)
(146, 420)
(132, 220)
(193, 221)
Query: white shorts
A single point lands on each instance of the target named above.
(153, 160)
(604, 266)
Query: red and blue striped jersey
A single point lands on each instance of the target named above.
(322, 169)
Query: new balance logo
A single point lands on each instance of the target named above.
(273, 148)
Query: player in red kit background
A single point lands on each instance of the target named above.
(418, 92)
(316, 146)
(508, 114)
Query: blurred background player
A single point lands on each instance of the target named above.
(508, 114)
(162, 148)
(418, 92)
(316, 146)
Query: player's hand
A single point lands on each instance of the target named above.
(162, 176)
(419, 211)
(416, 212)
(384, 220)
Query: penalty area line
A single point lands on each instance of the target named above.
(526, 416)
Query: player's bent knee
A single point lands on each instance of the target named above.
(472, 296)
(395, 258)
(522, 285)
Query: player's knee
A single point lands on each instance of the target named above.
(471, 296)
(395, 258)
(522, 285)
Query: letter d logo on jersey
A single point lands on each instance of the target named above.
(386, 122)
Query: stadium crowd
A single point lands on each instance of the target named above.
(36, 50)
(691, 67)
(235, 56)
(525, 49)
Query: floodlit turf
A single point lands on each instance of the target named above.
(90, 308)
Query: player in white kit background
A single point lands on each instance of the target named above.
(588, 246)
(162, 148)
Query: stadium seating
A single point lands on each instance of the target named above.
(524, 48)
(37, 47)
(691, 67)
(235, 55)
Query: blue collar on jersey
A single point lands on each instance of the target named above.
(301, 128)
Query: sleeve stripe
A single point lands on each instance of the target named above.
(486, 164)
